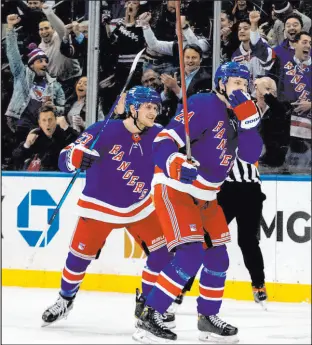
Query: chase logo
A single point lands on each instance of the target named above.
(39, 233)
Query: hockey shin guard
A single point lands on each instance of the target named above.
(173, 277)
(73, 274)
(212, 280)
(155, 262)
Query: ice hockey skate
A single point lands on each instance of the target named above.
(214, 330)
(151, 328)
(168, 317)
(59, 310)
(260, 295)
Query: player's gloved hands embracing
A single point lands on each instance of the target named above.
(179, 169)
(81, 157)
(244, 109)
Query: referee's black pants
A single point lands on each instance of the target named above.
(244, 201)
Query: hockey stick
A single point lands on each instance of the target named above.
(183, 84)
(108, 117)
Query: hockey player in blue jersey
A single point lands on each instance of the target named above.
(222, 125)
(119, 171)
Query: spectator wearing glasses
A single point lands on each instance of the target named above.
(282, 9)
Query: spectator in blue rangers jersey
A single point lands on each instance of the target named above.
(119, 171)
(293, 25)
(185, 199)
(296, 83)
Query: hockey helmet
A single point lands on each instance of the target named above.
(141, 94)
(231, 69)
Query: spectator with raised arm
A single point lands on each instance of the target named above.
(171, 48)
(74, 44)
(253, 51)
(52, 32)
(33, 86)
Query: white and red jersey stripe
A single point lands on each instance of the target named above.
(200, 188)
(96, 209)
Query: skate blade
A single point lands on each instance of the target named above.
(170, 325)
(46, 324)
(263, 305)
(213, 338)
(145, 337)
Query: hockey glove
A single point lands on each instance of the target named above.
(81, 157)
(179, 169)
(244, 109)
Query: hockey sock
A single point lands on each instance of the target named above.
(212, 280)
(155, 262)
(175, 275)
(73, 274)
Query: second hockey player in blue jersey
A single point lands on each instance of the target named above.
(223, 126)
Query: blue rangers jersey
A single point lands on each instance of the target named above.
(215, 142)
(118, 185)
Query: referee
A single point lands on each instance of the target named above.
(244, 180)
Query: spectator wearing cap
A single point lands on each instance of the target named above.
(43, 145)
(33, 86)
(52, 32)
(283, 9)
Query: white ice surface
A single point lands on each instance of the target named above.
(107, 318)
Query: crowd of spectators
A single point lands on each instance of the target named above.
(44, 69)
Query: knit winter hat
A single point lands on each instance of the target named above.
(35, 54)
(281, 7)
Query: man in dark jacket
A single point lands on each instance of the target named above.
(44, 144)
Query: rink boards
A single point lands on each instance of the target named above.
(30, 198)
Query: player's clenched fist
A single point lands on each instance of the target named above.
(81, 157)
(244, 109)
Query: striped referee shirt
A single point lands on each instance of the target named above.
(244, 172)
